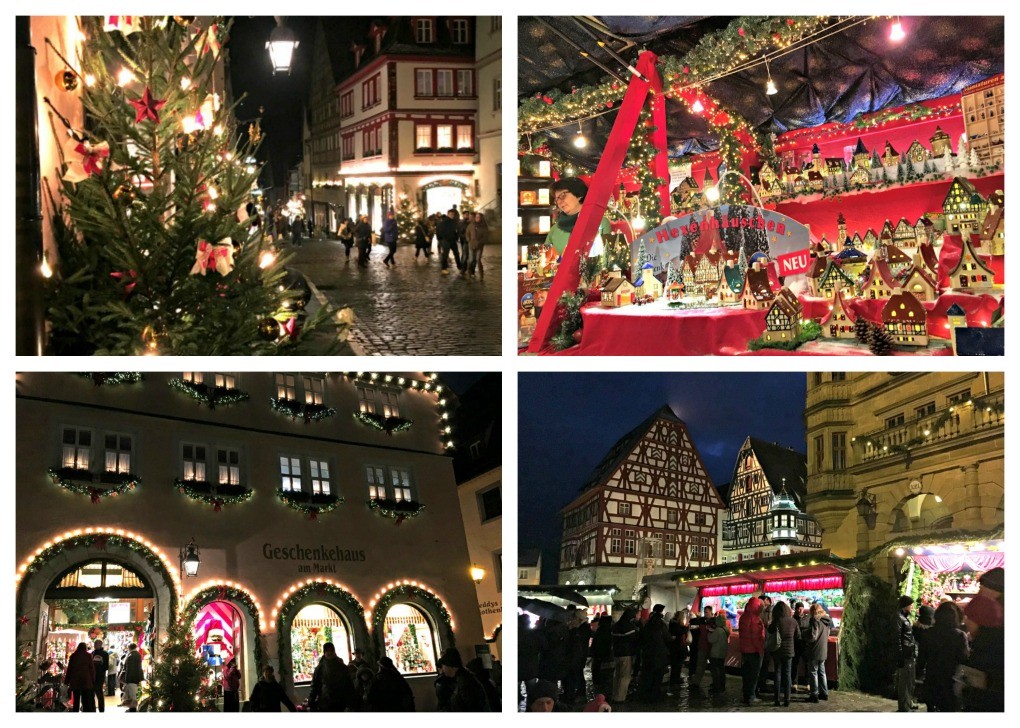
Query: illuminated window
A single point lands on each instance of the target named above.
(401, 481)
(376, 481)
(314, 626)
(444, 136)
(227, 381)
(194, 377)
(118, 453)
(320, 476)
(388, 401)
(422, 136)
(228, 462)
(410, 640)
(286, 386)
(366, 399)
(77, 448)
(290, 474)
(193, 459)
(465, 136)
(313, 387)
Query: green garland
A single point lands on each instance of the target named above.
(572, 320)
(208, 394)
(88, 483)
(217, 495)
(305, 410)
(867, 637)
(104, 539)
(315, 589)
(309, 502)
(809, 331)
(85, 627)
(220, 592)
(389, 425)
(101, 378)
(382, 608)
(396, 509)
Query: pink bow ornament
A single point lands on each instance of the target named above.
(218, 257)
(85, 159)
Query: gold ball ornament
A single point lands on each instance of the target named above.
(125, 194)
(184, 20)
(67, 80)
(269, 329)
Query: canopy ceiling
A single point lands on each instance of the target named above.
(834, 80)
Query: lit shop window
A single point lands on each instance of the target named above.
(193, 457)
(290, 474)
(77, 448)
(118, 453)
(444, 136)
(410, 640)
(314, 626)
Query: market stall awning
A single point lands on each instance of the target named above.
(579, 595)
(813, 570)
(542, 608)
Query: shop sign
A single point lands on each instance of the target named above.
(317, 560)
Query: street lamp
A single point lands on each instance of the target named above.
(477, 573)
(281, 45)
(190, 559)
(867, 508)
(712, 193)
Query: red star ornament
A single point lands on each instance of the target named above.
(147, 107)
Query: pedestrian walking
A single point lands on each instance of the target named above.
(752, 647)
(101, 665)
(422, 238)
(799, 616)
(346, 236)
(945, 650)
(268, 696)
(390, 233)
(80, 678)
(390, 692)
(654, 654)
(133, 677)
(679, 646)
(984, 673)
(767, 664)
(625, 642)
(601, 650)
(231, 681)
(907, 655)
(333, 690)
(925, 619)
(457, 690)
(816, 651)
(363, 239)
(464, 219)
(718, 646)
(781, 635)
(448, 234)
(296, 226)
(477, 234)
(699, 655)
(578, 645)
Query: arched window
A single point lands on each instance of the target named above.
(314, 626)
(410, 639)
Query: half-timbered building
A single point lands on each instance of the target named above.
(649, 506)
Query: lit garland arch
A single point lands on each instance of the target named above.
(251, 611)
(419, 595)
(317, 591)
(80, 546)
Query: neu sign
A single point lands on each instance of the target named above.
(732, 227)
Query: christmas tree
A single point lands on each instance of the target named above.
(155, 251)
(25, 689)
(181, 680)
(410, 656)
(406, 216)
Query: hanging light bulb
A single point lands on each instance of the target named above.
(712, 193)
(896, 32)
(44, 267)
(770, 87)
(697, 107)
(580, 141)
(638, 222)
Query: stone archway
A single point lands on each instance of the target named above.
(323, 592)
(919, 512)
(36, 575)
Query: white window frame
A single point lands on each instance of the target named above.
(121, 457)
(314, 389)
(194, 467)
(320, 478)
(424, 30)
(402, 483)
(423, 82)
(444, 136)
(227, 472)
(460, 31)
(286, 386)
(290, 474)
(465, 82)
(623, 508)
(76, 455)
(375, 478)
(465, 136)
(444, 82)
(485, 517)
(422, 136)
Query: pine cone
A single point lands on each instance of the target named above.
(862, 329)
(880, 341)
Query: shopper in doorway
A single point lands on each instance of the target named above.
(816, 651)
(752, 647)
(390, 692)
(390, 232)
(133, 677)
(783, 630)
(363, 239)
(80, 678)
(907, 653)
(268, 695)
(231, 681)
(101, 663)
(333, 690)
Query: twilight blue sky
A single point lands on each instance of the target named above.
(568, 421)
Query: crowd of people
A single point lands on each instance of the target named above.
(88, 678)
(950, 658)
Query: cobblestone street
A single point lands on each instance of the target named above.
(411, 309)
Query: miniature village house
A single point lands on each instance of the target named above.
(903, 235)
(731, 285)
(964, 208)
(971, 274)
(834, 275)
(919, 282)
(940, 143)
(674, 291)
(993, 232)
(648, 284)
(906, 319)
(839, 322)
(880, 282)
(924, 231)
(618, 291)
(782, 322)
(758, 293)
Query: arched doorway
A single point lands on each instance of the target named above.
(921, 512)
(99, 584)
(412, 627)
(441, 195)
(304, 617)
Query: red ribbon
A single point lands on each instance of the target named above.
(217, 505)
(129, 285)
(290, 327)
(23, 619)
(313, 514)
(90, 158)
(400, 519)
(100, 542)
(94, 495)
(221, 592)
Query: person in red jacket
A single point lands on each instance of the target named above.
(752, 647)
(80, 679)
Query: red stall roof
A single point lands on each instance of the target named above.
(779, 568)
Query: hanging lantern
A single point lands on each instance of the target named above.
(281, 45)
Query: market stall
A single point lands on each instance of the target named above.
(595, 599)
(935, 572)
(819, 215)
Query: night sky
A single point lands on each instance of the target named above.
(567, 423)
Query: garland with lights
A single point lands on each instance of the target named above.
(317, 590)
(87, 626)
(401, 593)
(222, 592)
(208, 394)
(101, 541)
(180, 680)
(95, 486)
(101, 378)
(396, 509)
(215, 494)
(311, 503)
(306, 410)
(433, 385)
(389, 425)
